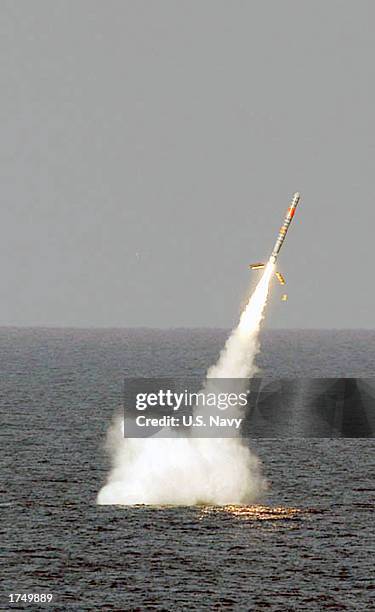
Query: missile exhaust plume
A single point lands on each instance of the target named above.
(237, 359)
(187, 471)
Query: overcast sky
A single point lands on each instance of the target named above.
(149, 151)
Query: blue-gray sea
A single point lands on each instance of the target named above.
(309, 545)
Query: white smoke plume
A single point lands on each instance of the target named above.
(187, 471)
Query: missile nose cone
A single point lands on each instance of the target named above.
(296, 198)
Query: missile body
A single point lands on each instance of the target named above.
(285, 226)
(280, 241)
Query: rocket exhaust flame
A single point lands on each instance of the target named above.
(187, 471)
(237, 360)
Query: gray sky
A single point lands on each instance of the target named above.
(149, 150)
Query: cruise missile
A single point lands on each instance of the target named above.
(280, 240)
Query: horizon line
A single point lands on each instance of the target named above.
(172, 328)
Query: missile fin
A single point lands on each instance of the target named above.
(280, 278)
(257, 266)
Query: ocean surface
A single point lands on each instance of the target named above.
(308, 545)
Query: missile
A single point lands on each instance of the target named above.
(280, 240)
(285, 226)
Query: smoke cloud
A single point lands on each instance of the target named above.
(187, 471)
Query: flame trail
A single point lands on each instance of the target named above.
(189, 471)
(237, 359)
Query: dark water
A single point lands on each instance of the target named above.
(311, 547)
